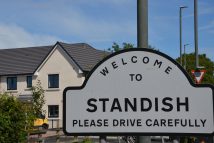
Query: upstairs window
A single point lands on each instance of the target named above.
(11, 83)
(53, 81)
(29, 81)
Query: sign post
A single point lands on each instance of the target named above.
(138, 92)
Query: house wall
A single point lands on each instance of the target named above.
(58, 62)
(21, 85)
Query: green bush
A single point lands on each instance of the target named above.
(17, 118)
(87, 140)
(12, 120)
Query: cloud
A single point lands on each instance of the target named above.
(13, 36)
(78, 24)
(206, 7)
(110, 2)
(89, 28)
(73, 21)
(209, 27)
(77, 20)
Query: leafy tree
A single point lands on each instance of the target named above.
(17, 117)
(12, 119)
(115, 47)
(204, 61)
(128, 45)
(34, 109)
(38, 99)
(153, 47)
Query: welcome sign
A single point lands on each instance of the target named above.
(138, 91)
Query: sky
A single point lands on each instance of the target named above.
(27, 23)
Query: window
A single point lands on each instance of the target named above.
(29, 81)
(11, 83)
(53, 111)
(53, 81)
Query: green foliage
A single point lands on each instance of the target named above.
(87, 140)
(12, 120)
(115, 47)
(204, 61)
(128, 45)
(38, 99)
(17, 118)
(153, 47)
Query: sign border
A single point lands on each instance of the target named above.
(132, 133)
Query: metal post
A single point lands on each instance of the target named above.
(196, 32)
(180, 23)
(143, 139)
(210, 139)
(142, 23)
(185, 60)
(57, 132)
(175, 141)
(102, 139)
(52, 123)
(142, 41)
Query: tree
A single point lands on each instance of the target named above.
(17, 117)
(204, 61)
(38, 99)
(12, 119)
(115, 47)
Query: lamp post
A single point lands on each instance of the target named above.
(196, 32)
(142, 41)
(180, 23)
(142, 23)
(185, 60)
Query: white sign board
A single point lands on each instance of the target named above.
(138, 91)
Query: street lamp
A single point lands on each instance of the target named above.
(185, 60)
(181, 7)
(196, 34)
(142, 23)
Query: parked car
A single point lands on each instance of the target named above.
(41, 122)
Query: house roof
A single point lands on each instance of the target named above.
(85, 56)
(26, 60)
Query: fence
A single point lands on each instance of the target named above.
(55, 123)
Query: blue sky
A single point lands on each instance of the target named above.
(99, 23)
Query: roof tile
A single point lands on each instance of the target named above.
(27, 60)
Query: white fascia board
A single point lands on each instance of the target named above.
(70, 60)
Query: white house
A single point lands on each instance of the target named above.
(56, 66)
